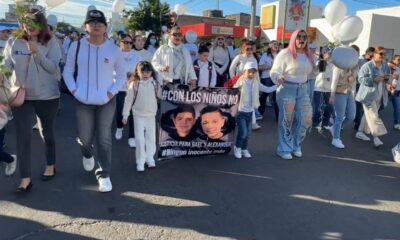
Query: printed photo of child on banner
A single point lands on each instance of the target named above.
(197, 121)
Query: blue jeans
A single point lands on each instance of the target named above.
(243, 121)
(345, 112)
(321, 107)
(311, 86)
(295, 113)
(396, 108)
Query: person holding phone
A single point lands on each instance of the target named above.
(373, 77)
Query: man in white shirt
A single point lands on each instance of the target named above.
(204, 69)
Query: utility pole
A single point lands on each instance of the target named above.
(253, 17)
(217, 4)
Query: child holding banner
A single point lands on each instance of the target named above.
(249, 86)
(142, 99)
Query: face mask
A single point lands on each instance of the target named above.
(153, 41)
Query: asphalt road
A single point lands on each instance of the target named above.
(328, 194)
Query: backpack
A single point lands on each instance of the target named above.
(136, 85)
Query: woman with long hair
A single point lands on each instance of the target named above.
(33, 59)
(219, 55)
(264, 66)
(131, 59)
(151, 44)
(373, 77)
(289, 72)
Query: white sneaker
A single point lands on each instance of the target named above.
(286, 156)
(131, 142)
(246, 153)
(104, 185)
(12, 166)
(336, 142)
(140, 168)
(298, 153)
(255, 126)
(396, 154)
(362, 136)
(377, 142)
(88, 164)
(260, 117)
(151, 163)
(118, 133)
(237, 152)
(397, 126)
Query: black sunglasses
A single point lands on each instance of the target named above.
(177, 34)
(301, 36)
(382, 53)
(127, 42)
(220, 38)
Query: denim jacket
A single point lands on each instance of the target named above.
(368, 87)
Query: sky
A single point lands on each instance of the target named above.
(73, 11)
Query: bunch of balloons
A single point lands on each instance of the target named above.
(345, 29)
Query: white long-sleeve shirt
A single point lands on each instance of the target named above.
(294, 70)
(238, 63)
(204, 75)
(144, 54)
(131, 59)
(324, 79)
(145, 103)
(220, 56)
(96, 66)
(266, 60)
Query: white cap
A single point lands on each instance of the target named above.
(312, 46)
(250, 65)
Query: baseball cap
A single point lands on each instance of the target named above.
(95, 16)
(250, 65)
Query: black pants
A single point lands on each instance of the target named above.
(272, 96)
(25, 116)
(118, 114)
(4, 156)
(359, 112)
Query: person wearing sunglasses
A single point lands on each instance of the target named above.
(173, 62)
(219, 55)
(289, 71)
(373, 78)
(131, 59)
(95, 59)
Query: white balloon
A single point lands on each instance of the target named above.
(350, 28)
(335, 32)
(344, 57)
(118, 6)
(91, 7)
(191, 36)
(335, 11)
(54, 3)
(180, 9)
(164, 28)
(115, 17)
(52, 20)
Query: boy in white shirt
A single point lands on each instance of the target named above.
(204, 69)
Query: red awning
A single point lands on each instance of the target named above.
(213, 30)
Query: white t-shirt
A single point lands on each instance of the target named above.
(131, 59)
(266, 60)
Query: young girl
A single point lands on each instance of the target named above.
(249, 86)
(141, 98)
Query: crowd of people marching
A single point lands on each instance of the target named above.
(118, 80)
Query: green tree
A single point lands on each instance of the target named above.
(149, 15)
(65, 28)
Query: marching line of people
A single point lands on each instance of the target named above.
(123, 82)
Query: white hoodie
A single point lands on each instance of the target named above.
(96, 65)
